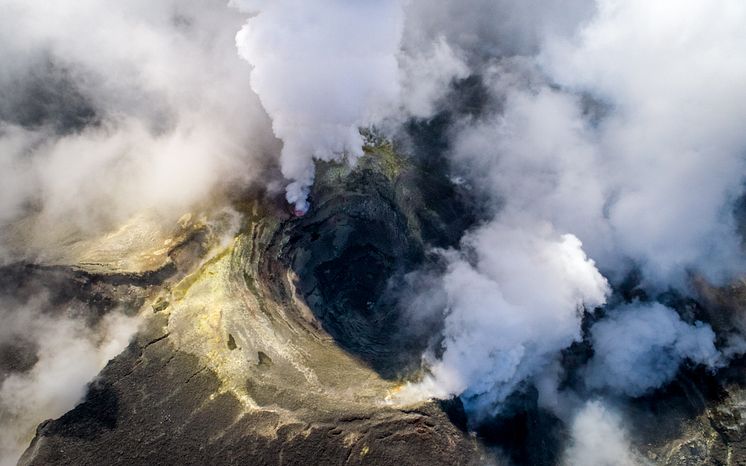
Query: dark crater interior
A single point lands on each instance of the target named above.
(345, 252)
(365, 231)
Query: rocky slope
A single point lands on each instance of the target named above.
(264, 347)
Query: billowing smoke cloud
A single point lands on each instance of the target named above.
(496, 334)
(109, 113)
(640, 347)
(536, 159)
(605, 128)
(426, 76)
(598, 438)
(611, 142)
(150, 108)
(67, 352)
(492, 28)
(322, 71)
(670, 138)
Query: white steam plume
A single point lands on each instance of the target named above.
(640, 347)
(598, 438)
(108, 111)
(615, 134)
(69, 354)
(492, 28)
(149, 109)
(672, 148)
(615, 142)
(509, 312)
(426, 76)
(322, 70)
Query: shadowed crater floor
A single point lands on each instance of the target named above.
(369, 227)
